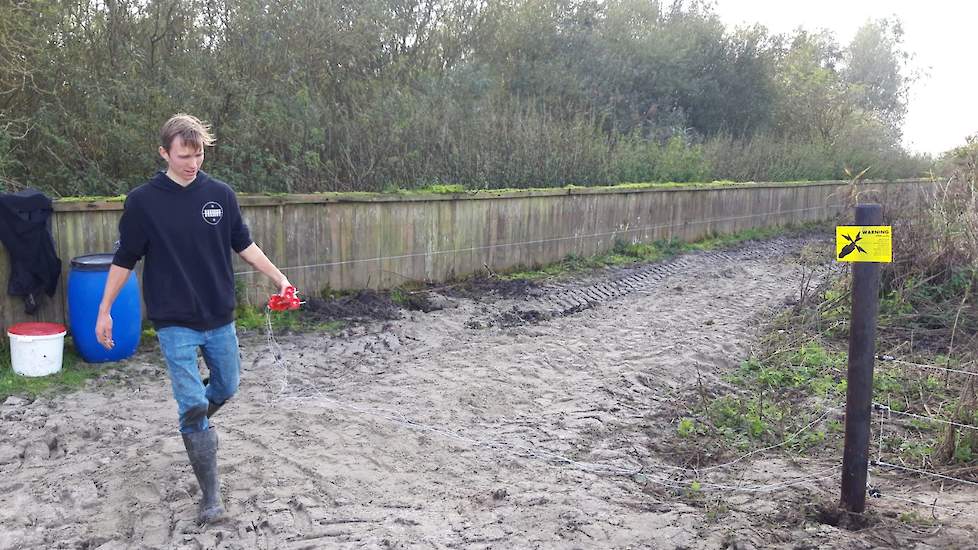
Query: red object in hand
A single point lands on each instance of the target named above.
(289, 300)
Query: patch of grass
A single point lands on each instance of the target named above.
(623, 253)
(627, 253)
(937, 306)
(687, 427)
(249, 317)
(400, 296)
(73, 375)
(737, 417)
(459, 188)
(329, 293)
(253, 318)
(331, 326)
(92, 198)
(442, 189)
(725, 241)
(407, 296)
(569, 265)
(928, 315)
(148, 335)
(804, 360)
(393, 188)
(913, 518)
(545, 272)
(811, 368)
(773, 406)
(647, 252)
(963, 451)
(748, 421)
(716, 510)
(886, 384)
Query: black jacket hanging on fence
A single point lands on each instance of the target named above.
(25, 232)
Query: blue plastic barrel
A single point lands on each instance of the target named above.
(86, 283)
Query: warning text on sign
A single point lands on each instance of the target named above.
(864, 243)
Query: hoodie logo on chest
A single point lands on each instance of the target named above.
(212, 212)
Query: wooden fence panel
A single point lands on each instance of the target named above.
(345, 241)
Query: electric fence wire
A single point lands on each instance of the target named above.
(934, 505)
(927, 418)
(886, 414)
(614, 470)
(641, 473)
(624, 230)
(546, 454)
(886, 359)
(926, 473)
(875, 492)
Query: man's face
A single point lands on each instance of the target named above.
(183, 160)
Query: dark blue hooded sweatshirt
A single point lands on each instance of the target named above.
(186, 235)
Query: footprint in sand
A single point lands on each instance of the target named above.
(152, 529)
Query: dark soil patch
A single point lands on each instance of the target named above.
(419, 301)
(833, 514)
(480, 288)
(513, 318)
(364, 305)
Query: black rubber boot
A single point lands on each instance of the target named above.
(202, 451)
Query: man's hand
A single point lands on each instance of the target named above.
(103, 324)
(103, 330)
(283, 286)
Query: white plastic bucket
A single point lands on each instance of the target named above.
(36, 349)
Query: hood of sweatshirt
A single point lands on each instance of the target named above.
(163, 182)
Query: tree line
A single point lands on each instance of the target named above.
(373, 95)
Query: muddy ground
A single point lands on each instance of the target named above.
(507, 416)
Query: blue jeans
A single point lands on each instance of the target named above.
(220, 349)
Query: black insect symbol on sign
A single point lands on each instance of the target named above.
(847, 249)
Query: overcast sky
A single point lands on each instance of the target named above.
(943, 104)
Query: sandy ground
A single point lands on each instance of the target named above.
(528, 422)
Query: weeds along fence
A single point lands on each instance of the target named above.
(356, 240)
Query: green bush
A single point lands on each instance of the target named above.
(367, 96)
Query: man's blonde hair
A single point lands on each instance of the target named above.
(189, 128)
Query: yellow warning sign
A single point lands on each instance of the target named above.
(864, 243)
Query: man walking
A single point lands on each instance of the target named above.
(185, 224)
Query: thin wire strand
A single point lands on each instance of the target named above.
(886, 413)
(526, 449)
(820, 476)
(592, 467)
(276, 351)
(954, 511)
(925, 472)
(880, 462)
(931, 367)
(540, 241)
(928, 418)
